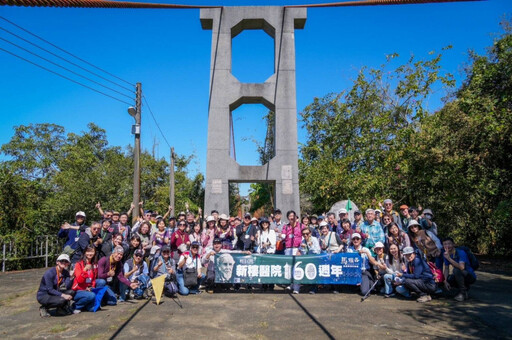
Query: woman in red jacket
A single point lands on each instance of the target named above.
(85, 273)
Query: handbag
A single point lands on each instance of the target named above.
(438, 273)
(190, 276)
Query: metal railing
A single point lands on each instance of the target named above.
(40, 247)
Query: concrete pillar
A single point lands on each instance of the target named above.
(277, 93)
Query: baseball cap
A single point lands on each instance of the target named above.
(388, 201)
(404, 206)
(408, 250)
(342, 211)
(323, 224)
(378, 245)
(138, 252)
(354, 235)
(63, 257)
(80, 213)
(217, 240)
(166, 248)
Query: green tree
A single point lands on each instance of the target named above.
(357, 139)
(464, 164)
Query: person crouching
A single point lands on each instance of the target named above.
(55, 288)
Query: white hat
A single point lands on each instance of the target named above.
(80, 213)
(388, 200)
(354, 235)
(412, 222)
(223, 217)
(378, 245)
(342, 211)
(377, 211)
(323, 224)
(210, 219)
(63, 257)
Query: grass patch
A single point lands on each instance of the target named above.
(58, 329)
(10, 299)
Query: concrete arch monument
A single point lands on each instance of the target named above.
(277, 93)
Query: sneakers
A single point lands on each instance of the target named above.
(43, 312)
(460, 297)
(77, 311)
(335, 292)
(295, 292)
(389, 295)
(288, 288)
(424, 298)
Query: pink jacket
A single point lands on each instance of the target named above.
(293, 235)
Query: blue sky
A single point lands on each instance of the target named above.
(169, 53)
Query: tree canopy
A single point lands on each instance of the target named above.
(49, 175)
(379, 140)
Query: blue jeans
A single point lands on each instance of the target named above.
(181, 284)
(110, 297)
(388, 286)
(84, 300)
(144, 282)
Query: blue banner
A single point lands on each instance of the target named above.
(341, 268)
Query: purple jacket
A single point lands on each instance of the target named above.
(104, 268)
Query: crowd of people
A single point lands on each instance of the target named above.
(400, 251)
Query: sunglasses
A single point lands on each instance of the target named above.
(182, 225)
(137, 255)
(355, 238)
(194, 247)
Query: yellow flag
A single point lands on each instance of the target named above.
(158, 287)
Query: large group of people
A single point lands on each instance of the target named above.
(400, 251)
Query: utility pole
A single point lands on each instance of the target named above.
(136, 114)
(171, 183)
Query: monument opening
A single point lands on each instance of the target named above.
(252, 134)
(253, 51)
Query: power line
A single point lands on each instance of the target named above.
(156, 123)
(72, 63)
(71, 71)
(63, 76)
(69, 53)
(130, 4)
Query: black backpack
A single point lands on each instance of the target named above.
(473, 261)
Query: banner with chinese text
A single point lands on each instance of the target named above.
(342, 268)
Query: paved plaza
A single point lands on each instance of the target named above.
(272, 315)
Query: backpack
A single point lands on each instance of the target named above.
(473, 261)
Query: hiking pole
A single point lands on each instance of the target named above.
(367, 295)
(178, 302)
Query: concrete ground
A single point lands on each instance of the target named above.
(258, 315)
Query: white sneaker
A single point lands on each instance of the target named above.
(295, 292)
(424, 298)
(288, 288)
(77, 311)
